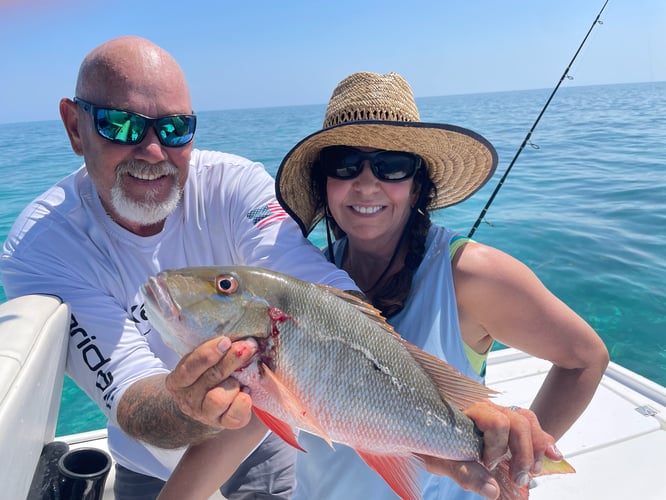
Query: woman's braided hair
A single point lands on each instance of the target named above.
(390, 300)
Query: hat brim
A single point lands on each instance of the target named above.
(459, 161)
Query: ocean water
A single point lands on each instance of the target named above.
(584, 206)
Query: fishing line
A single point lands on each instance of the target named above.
(529, 134)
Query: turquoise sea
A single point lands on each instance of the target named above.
(584, 206)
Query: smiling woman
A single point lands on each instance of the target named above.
(444, 293)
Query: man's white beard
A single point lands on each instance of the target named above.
(148, 211)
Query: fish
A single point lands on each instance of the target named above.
(329, 364)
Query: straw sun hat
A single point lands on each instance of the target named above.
(379, 111)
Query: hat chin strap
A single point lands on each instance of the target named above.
(327, 217)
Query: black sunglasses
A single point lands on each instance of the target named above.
(345, 162)
(125, 127)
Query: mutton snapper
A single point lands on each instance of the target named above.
(328, 364)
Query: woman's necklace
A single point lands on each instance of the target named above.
(396, 251)
(382, 276)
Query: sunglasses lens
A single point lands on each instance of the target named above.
(394, 165)
(340, 162)
(120, 126)
(176, 130)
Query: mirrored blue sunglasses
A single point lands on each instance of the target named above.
(125, 127)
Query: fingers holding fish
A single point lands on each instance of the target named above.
(193, 365)
(203, 387)
(229, 404)
(495, 425)
(237, 356)
(226, 402)
(185, 382)
(513, 434)
(524, 456)
(543, 444)
(505, 430)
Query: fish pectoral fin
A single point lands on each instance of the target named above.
(399, 471)
(293, 405)
(456, 388)
(279, 427)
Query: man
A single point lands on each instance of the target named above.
(144, 201)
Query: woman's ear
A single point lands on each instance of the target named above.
(69, 114)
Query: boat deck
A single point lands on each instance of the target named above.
(616, 446)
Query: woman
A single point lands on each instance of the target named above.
(373, 172)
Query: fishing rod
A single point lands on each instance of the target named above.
(536, 122)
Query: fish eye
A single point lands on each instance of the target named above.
(226, 284)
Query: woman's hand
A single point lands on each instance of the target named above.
(512, 434)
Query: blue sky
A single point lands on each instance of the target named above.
(261, 53)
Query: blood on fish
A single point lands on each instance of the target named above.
(277, 316)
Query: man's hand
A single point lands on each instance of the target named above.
(505, 430)
(203, 388)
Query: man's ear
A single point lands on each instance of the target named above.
(70, 118)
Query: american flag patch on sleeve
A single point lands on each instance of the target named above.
(268, 213)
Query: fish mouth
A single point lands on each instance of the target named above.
(157, 297)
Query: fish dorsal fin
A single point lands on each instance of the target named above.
(361, 305)
(299, 412)
(458, 389)
(399, 472)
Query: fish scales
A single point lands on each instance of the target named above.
(364, 386)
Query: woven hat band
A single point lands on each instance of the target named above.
(370, 96)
